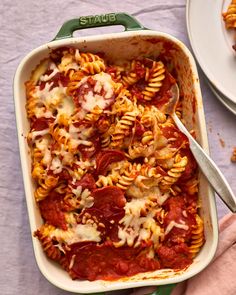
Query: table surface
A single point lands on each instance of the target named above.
(26, 24)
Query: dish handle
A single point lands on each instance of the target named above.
(164, 290)
(93, 21)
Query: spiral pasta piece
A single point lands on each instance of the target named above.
(175, 172)
(48, 246)
(131, 76)
(38, 171)
(84, 57)
(91, 63)
(191, 186)
(68, 63)
(93, 67)
(230, 15)
(110, 179)
(45, 186)
(105, 140)
(123, 103)
(37, 155)
(94, 115)
(123, 128)
(59, 134)
(233, 157)
(154, 81)
(197, 237)
(35, 107)
(126, 180)
(147, 138)
(148, 171)
(130, 79)
(77, 173)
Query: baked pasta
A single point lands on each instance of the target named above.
(116, 183)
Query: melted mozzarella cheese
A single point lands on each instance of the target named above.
(56, 165)
(93, 98)
(66, 106)
(67, 157)
(67, 63)
(86, 164)
(161, 198)
(135, 206)
(40, 111)
(84, 233)
(50, 97)
(173, 224)
(47, 157)
(43, 145)
(104, 80)
(150, 193)
(87, 232)
(35, 134)
(135, 228)
(54, 69)
(40, 70)
(86, 199)
(79, 135)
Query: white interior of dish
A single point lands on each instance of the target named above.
(121, 46)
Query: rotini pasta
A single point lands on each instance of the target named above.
(123, 128)
(114, 176)
(229, 17)
(154, 80)
(197, 237)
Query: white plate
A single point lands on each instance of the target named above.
(212, 43)
(231, 106)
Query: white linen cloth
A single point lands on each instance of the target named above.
(25, 25)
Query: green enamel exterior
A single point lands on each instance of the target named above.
(161, 290)
(93, 21)
(164, 290)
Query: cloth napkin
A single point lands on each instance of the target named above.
(219, 277)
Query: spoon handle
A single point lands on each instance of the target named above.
(209, 169)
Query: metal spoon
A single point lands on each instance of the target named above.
(206, 164)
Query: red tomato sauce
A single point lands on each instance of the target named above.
(174, 133)
(175, 257)
(51, 210)
(94, 262)
(175, 207)
(191, 167)
(164, 94)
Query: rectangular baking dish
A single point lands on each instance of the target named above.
(133, 42)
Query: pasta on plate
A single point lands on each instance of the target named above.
(229, 17)
(116, 183)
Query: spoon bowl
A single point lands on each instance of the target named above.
(205, 163)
